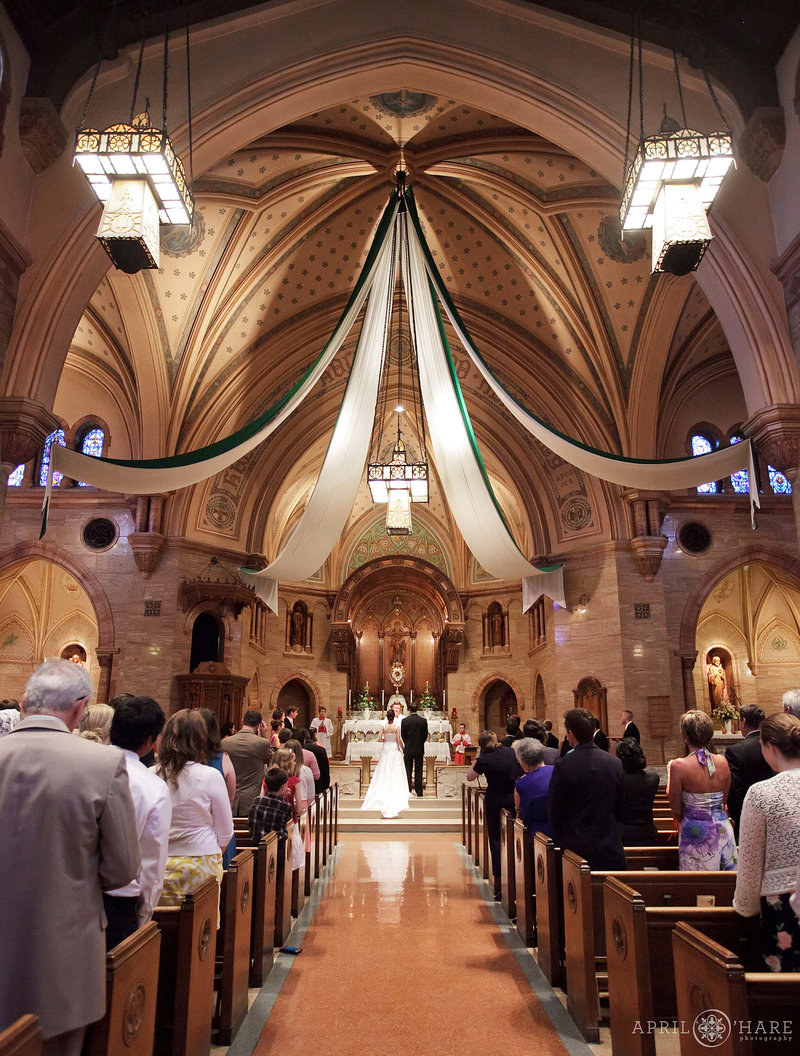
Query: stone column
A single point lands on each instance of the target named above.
(105, 658)
(688, 659)
(24, 426)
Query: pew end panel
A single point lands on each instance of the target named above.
(186, 973)
(549, 909)
(508, 883)
(232, 968)
(523, 877)
(283, 891)
(22, 1038)
(265, 884)
(131, 996)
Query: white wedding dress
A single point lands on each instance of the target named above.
(388, 789)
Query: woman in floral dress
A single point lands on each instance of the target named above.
(698, 787)
(769, 846)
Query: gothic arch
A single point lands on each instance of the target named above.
(748, 556)
(437, 586)
(297, 676)
(106, 637)
(497, 676)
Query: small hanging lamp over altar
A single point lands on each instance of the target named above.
(672, 181)
(395, 480)
(134, 171)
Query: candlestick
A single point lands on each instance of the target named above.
(349, 697)
(412, 697)
(381, 698)
(444, 699)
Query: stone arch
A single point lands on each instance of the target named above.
(747, 556)
(106, 637)
(479, 692)
(449, 600)
(297, 676)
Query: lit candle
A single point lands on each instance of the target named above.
(381, 698)
(444, 699)
(412, 697)
(349, 697)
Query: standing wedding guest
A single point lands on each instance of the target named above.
(461, 741)
(95, 724)
(639, 787)
(599, 737)
(324, 730)
(530, 791)
(202, 824)
(308, 739)
(791, 702)
(585, 796)
(68, 833)
(9, 717)
(697, 786)
(250, 753)
(769, 846)
(135, 728)
(629, 727)
(746, 761)
(222, 762)
(551, 741)
(499, 766)
(270, 812)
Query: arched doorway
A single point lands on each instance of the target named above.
(499, 703)
(539, 706)
(207, 640)
(295, 694)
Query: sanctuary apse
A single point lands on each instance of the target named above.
(518, 193)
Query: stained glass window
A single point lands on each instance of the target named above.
(15, 478)
(54, 438)
(780, 484)
(740, 480)
(701, 445)
(92, 444)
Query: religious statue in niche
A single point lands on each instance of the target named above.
(397, 636)
(717, 682)
(297, 628)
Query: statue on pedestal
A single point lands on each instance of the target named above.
(717, 682)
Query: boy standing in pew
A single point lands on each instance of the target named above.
(271, 812)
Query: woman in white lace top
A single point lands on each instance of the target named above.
(769, 846)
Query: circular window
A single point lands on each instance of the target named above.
(694, 537)
(99, 533)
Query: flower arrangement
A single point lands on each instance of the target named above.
(726, 712)
(427, 701)
(364, 701)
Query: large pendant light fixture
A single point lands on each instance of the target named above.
(672, 181)
(133, 169)
(396, 480)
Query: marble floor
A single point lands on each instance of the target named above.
(405, 953)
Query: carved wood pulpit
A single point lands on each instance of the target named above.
(212, 686)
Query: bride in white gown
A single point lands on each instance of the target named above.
(388, 789)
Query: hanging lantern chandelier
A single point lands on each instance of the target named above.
(672, 181)
(394, 479)
(134, 171)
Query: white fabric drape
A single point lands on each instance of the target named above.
(144, 479)
(334, 494)
(467, 491)
(653, 475)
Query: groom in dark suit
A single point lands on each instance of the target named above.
(414, 731)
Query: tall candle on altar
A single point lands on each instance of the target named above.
(381, 698)
(349, 697)
(412, 697)
(444, 699)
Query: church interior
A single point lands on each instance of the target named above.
(512, 122)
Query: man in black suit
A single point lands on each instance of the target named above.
(598, 736)
(629, 727)
(513, 732)
(552, 740)
(290, 718)
(584, 799)
(414, 731)
(308, 740)
(746, 762)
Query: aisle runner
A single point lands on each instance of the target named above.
(403, 958)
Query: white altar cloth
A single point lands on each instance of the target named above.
(356, 750)
(372, 727)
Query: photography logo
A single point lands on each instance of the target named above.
(711, 1028)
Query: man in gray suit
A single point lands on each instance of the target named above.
(68, 833)
(250, 754)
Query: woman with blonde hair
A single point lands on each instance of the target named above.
(95, 723)
(286, 759)
(769, 845)
(698, 787)
(202, 822)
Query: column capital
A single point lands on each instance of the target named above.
(775, 431)
(24, 425)
(688, 658)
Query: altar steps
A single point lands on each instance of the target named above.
(424, 815)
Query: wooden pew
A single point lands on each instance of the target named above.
(335, 801)
(641, 979)
(550, 902)
(283, 889)
(233, 947)
(23, 1038)
(584, 923)
(464, 816)
(131, 992)
(323, 818)
(186, 973)
(262, 933)
(709, 977)
(525, 896)
(508, 882)
(481, 837)
(549, 909)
